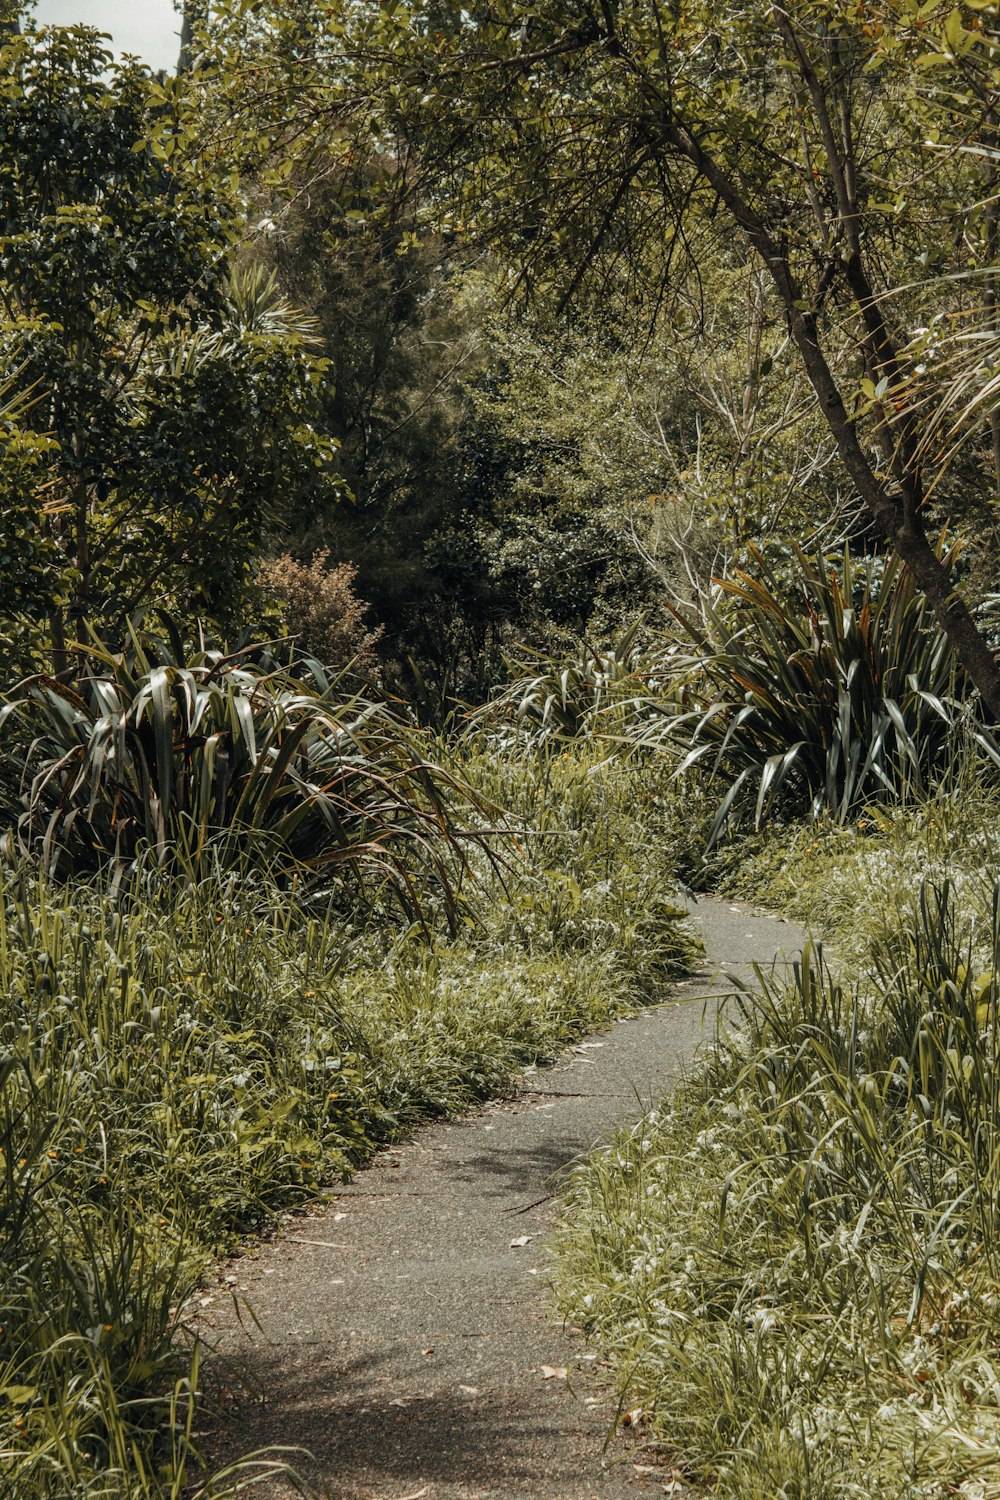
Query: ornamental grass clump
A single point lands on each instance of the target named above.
(795, 1264)
(591, 694)
(821, 694)
(204, 755)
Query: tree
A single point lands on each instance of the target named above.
(839, 144)
(400, 336)
(678, 450)
(194, 15)
(168, 398)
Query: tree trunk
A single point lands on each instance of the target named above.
(60, 656)
(896, 509)
(897, 515)
(194, 16)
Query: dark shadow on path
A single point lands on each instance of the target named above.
(360, 1443)
(518, 1171)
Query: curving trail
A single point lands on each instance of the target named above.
(402, 1336)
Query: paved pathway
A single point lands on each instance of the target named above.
(402, 1335)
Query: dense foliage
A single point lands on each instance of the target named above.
(823, 692)
(165, 395)
(555, 405)
(627, 149)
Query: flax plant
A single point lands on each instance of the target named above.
(820, 694)
(592, 694)
(206, 754)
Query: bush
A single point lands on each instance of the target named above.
(848, 882)
(203, 755)
(323, 612)
(601, 838)
(839, 691)
(593, 694)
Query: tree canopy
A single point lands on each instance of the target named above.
(625, 171)
(847, 148)
(165, 393)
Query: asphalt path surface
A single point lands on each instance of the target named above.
(401, 1336)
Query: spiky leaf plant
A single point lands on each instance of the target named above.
(836, 691)
(588, 694)
(203, 752)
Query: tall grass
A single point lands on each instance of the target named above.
(603, 839)
(848, 881)
(795, 1263)
(182, 1058)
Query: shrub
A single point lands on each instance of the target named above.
(323, 612)
(594, 693)
(601, 838)
(207, 754)
(836, 692)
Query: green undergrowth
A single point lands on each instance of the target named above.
(849, 882)
(587, 802)
(794, 1264)
(181, 1060)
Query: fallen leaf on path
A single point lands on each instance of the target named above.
(553, 1372)
(522, 1239)
(632, 1418)
(427, 1352)
(417, 1494)
(399, 1402)
(671, 1479)
(469, 1390)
